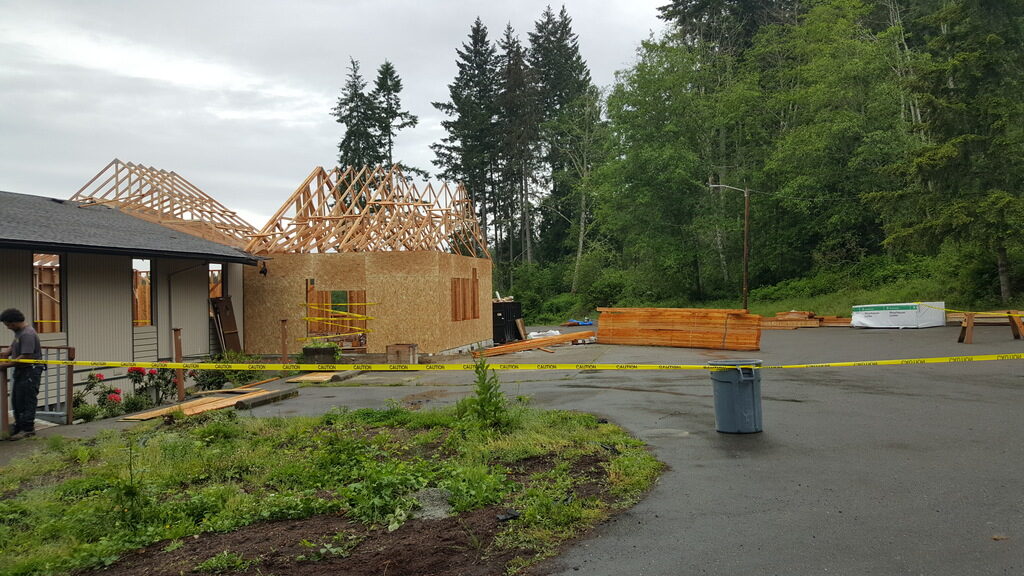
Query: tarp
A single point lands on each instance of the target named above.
(903, 315)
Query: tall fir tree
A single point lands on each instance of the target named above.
(518, 124)
(967, 176)
(561, 77)
(389, 116)
(469, 153)
(361, 145)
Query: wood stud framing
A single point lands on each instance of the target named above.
(165, 198)
(371, 210)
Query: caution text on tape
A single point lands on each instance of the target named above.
(511, 366)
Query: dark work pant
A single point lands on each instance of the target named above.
(24, 397)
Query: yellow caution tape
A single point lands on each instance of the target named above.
(510, 366)
(999, 314)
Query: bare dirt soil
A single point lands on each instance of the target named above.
(461, 545)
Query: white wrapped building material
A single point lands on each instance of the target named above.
(903, 315)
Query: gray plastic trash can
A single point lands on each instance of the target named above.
(737, 396)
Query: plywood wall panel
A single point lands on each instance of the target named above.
(409, 295)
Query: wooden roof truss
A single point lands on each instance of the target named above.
(371, 210)
(165, 198)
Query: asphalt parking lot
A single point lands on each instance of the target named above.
(870, 470)
(914, 469)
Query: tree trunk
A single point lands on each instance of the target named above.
(579, 244)
(1003, 263)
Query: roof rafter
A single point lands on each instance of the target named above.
(165, 198)
(371, 210)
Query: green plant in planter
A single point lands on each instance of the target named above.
(319, 352)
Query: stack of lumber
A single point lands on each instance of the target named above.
(791, 320)
(717, 329)
(840, 321)
(534, 343)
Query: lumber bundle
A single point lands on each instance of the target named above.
(718, 329)
(841, 321)
(794, 319)
(534, 343)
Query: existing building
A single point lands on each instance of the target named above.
(70, 267)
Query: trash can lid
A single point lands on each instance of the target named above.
(750, 362)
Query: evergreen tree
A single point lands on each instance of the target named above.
(561, 77)
(361, 145)
(389, 117)
(469, 153)
(518, 125)
(966, 178)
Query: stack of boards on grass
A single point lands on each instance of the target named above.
(717, 329)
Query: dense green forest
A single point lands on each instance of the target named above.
(881, 143)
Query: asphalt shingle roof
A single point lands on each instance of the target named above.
(51, 225)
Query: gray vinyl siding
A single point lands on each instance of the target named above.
(144, 344)
(16, 281)
(98, 306)
(182, 289)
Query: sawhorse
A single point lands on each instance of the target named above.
(1013, 320)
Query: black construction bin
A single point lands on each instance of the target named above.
(737, 396)
(504, 317)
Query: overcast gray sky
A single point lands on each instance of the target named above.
(235, 96)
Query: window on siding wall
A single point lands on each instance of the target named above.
(465, 303)
(216, 281)
(142, 293)
(46, 291)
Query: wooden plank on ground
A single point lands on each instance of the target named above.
(533, 344)
(150, 414)
(193, 407)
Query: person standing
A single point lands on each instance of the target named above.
(25, 389)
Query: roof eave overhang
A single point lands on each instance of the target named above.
(45, 247)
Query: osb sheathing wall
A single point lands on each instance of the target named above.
(409, 293)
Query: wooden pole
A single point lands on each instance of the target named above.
(746, 245)
(69, 389)
(4, 421)
(284, 341)
(179, 374)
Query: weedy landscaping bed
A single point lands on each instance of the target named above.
(352, 492)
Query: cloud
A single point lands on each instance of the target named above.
(236, 95)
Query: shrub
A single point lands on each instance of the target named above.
(136, 403)
(87, 412)
(488, 407)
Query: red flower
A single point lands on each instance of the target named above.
(152, 371)
(115, 398)
(136, 370)
(99, 376)
(117, 390)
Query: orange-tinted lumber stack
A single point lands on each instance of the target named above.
(680, 327)
(534, 343)
(835, 321)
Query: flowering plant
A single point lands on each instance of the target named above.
(159, 382)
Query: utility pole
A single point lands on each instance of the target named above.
(746, 237)
(746, 245)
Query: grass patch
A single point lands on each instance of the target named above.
(225, 563)
(82, 505)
